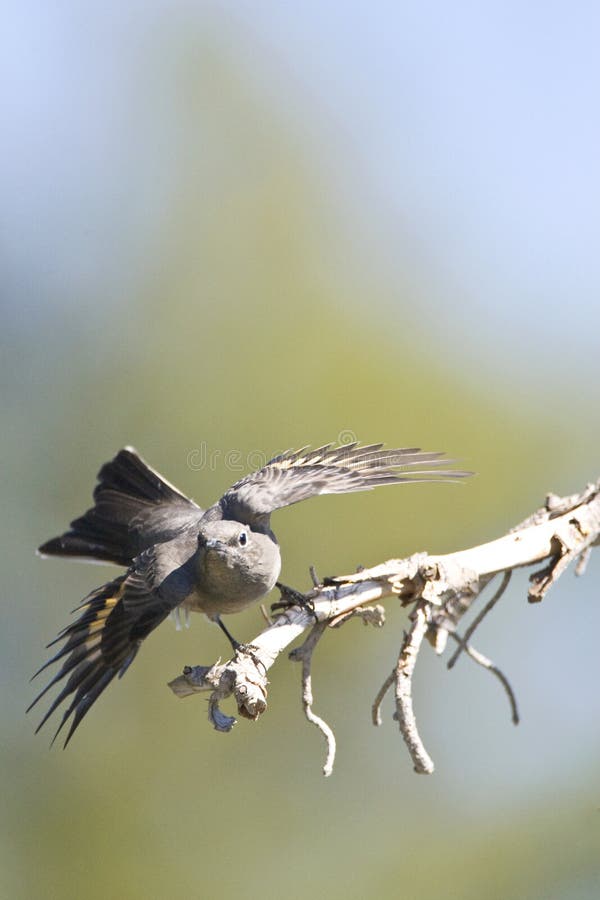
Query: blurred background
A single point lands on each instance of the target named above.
(249, 226)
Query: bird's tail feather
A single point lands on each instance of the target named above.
(98, 646)
(128, 490)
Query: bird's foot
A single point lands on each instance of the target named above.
(291, 597)
(249, 649)
(242, 649)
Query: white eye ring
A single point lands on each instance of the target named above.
(243, 539)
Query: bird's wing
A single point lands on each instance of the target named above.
(103, 641)
(134, 508)
(298, 474)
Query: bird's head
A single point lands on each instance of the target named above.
(236, 562)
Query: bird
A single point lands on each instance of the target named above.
(181, 557)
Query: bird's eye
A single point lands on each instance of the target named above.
(243, 538)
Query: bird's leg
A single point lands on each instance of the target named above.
(291, 597)
(237, 647)
(246, 649)
(235, 644)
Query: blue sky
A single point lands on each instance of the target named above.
(460, 141)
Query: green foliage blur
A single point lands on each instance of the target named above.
(252, 329)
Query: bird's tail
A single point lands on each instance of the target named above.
(98, 646)
(130, 501)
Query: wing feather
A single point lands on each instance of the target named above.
(299, 474)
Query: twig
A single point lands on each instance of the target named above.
(482, 660)
(405, 667)
(304, 655)
(376, 708)
(462, 645)
(369, 615)
(265, 614)
(583, 560)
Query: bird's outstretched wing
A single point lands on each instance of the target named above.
(298, 474)
(102, 643)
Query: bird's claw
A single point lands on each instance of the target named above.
(251, 651)
(291, 597)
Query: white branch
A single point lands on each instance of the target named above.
(442, 589)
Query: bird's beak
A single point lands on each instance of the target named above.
(213, 544)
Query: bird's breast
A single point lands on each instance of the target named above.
(227, 583)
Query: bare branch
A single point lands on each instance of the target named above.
(441, 588)
(376, 708)
(304, 655)
(583, 560)
(463, 644)
(482, 660)
(403, 677)
(369, 615)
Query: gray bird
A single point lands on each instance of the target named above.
(178, 556)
